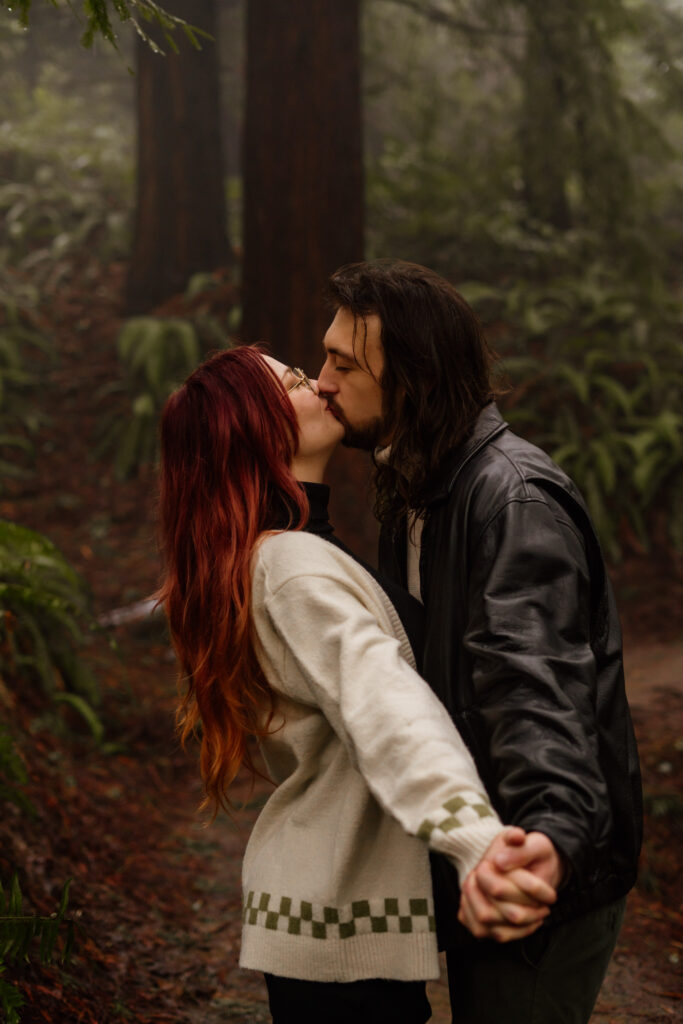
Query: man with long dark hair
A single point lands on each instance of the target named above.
(523, 641)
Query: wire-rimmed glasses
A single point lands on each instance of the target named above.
(301, 380)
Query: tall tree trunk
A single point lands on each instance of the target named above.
(180, 221)
(303, 168)
(543, 131)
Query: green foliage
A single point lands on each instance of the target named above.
(558, 115)
(526, 147)
(598, 375)
(19, 932)
(100, 16)
(44, 608)
(435, 177)
(52, 214)
(65, 180)
(156, 356)
(12, 773)
(21, 338)
(11, 1001)
(500, 134)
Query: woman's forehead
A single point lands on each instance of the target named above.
(279, 368)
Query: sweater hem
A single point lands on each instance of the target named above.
(390, 956)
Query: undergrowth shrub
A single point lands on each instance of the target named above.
(22, 338)
(19, 934)
(156, 354)
(597, 375)
(65, 181)
(12, 774)
(44, 617)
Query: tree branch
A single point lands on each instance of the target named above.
(441, 17)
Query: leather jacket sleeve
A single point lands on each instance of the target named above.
(533, 679)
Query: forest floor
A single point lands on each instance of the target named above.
(156, 892)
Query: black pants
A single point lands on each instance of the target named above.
(374, 1001)
(551, 977)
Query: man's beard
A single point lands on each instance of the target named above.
(366, 436)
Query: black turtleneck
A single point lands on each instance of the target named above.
(319, 520)
(410, 611)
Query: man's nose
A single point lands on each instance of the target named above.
(325, 382)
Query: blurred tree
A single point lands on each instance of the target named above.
(559, 72)
(576, 125)
(544, 155)
(303, 169)
(180, 221)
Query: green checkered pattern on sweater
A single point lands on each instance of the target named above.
(363, 917)
(457, 813)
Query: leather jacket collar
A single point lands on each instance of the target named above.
(489, 424)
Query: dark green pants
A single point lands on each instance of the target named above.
(551, 977)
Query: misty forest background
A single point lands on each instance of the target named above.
(156, 206)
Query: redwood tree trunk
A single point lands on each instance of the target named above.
(180, 221)
(303, 168)
(543, 131)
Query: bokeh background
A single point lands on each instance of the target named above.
(177, 181)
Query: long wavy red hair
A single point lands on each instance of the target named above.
(228, 436)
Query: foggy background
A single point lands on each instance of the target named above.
(155, 208)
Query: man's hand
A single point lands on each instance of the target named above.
(533, 851)
(507, 895)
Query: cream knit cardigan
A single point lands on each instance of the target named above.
(370, 772)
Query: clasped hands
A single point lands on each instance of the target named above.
(509, 893)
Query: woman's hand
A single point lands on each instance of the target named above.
(509, 893)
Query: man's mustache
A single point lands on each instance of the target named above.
(333, 407)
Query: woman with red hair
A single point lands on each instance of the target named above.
(283, 636)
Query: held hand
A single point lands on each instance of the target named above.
(507, 895)
(533, 851)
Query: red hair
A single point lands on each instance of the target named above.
(228, 436)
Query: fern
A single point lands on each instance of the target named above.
(18, 934)
(12, 774)
(44, 614)
(600, 392)
(20, 338)
(156, 355)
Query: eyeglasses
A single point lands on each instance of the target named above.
(302, 380)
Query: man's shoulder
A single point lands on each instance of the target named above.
(509, 470)
(510, 467)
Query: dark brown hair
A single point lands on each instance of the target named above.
(436, 376)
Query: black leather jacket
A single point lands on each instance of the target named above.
(523, 646)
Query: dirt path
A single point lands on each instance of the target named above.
(650, 667)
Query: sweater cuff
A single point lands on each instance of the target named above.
(466, 846)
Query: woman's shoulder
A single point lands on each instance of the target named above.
(295, 553)
(299, 567)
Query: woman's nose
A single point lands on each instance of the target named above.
(315, 385)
